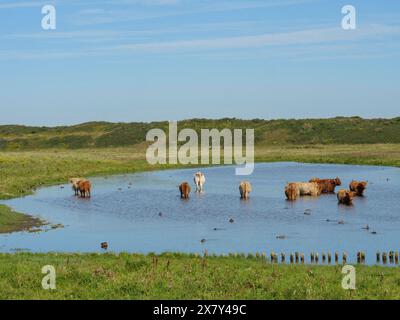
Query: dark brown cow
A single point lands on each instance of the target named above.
(345, 197)
(84, 188)
(358, 187)
(327, 185)
(184, 188)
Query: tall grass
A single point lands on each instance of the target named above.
(180, 276)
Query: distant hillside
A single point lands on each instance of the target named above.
(340, 130)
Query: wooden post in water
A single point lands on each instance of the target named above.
(344, 258)
(302, 258)
(323, 257)
(316, 258)
(291, 258)
(359, 257)
(396, 257)
(283, 258)
(384, 257)
(329, 258)
(312, 257)
(363, 257)
(336, 257)
(297, 257)
(391, 256)
(378, 257)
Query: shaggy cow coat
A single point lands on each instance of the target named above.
(327, 185)
(358, 187)
(199, 180)
(308, 189)
(345, 197)
(184, 189)
(75, 186)
(245, 189)
(84, 187)
(291, 191)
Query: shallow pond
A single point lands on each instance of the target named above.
(144, 213)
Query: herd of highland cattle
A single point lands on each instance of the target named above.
(315, 187)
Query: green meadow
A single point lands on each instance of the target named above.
(180, 276)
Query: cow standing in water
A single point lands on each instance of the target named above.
(291, 191)
(199, 180)
(307, 189)
(184, 188)
(75, 184)
(327, 185)
(358, 187)
(245, 189)
(345, 197)
(85, 188)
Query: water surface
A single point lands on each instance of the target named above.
(144, 213)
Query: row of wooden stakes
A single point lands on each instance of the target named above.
(297, 257)
(315, 257)
(392, 255)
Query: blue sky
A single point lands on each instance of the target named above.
(144, 60)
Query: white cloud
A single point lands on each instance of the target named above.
(131, 13)
(312, 41)
(15, 4)
(304, 37)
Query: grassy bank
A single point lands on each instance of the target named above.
(177, 276)
(11, 221)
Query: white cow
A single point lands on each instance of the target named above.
(199, 180)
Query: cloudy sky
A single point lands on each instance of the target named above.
(143, 60)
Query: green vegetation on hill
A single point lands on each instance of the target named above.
(179, 276)
(339, 130)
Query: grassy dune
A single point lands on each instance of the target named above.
(338, 130)
(178, 276)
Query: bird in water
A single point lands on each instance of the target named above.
(104, 245)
